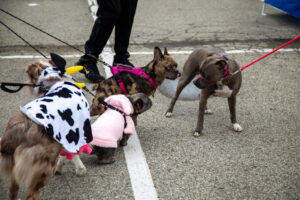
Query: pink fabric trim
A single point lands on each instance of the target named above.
(85, 148)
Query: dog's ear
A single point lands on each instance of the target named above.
(221, 63)
(140, 102)
(138, 105)
(158, 54)
(33, 71)
(59, 62)
(166, 51)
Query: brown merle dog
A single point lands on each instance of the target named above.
(162, 66)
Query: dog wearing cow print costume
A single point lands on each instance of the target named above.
(56, 123)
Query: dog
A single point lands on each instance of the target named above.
(215, 70)
(30, 145)
(160, 68)
(113, 124)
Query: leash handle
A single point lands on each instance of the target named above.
(285, 44)
(20, 85)
(4, 88)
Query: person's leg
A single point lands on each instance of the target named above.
(108, 13)
(123, 30)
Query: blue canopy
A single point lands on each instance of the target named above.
(291, 7)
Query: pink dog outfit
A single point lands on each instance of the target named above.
(109, 127)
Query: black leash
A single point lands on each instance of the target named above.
(50, 35)
(20, 85)
(22, 39)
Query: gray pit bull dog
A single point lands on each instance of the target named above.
(216, 71)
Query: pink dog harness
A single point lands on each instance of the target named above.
(137, 71)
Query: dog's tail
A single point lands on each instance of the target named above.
(34, 165)
(6, 165)
(189, 93)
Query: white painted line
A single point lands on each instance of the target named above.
(140, 176)
(139, 173)
(107, 53)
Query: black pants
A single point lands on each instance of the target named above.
(112, 13)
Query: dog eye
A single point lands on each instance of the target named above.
(169, 67)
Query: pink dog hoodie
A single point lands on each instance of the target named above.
(109, 127)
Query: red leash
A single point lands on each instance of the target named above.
(285, 44)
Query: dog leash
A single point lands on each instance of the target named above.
(106, 105)
(266, 55)
(285, 44)
(20, 85)
(52, 36)
(248, 65)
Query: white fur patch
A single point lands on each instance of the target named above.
(237, 127)
(168, 114)
(208, 112)
(196, 134)
(45, 63)
(79, 166)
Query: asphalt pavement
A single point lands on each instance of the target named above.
(262, 162)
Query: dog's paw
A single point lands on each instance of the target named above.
(58, 172)
(197, 134)
(81, 171)
(123, 143)
(208, 112)
(168, 114)
(237, 127)
(105, 161)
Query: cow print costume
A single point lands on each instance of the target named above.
(64, 112)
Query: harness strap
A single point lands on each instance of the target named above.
(121, 84)
(137, 71)
(113, 108)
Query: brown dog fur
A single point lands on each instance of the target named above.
(162, 66)
(209, 64)
(27, 153)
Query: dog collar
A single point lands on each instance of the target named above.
(225, 75)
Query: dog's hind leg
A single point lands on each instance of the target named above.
(79, 166)
(60, 163)
(13, 189)
(183, 81)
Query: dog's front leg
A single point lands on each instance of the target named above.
(124, 139)
(134, 118)
(183, 81)
(202, 107)
(79, 166)
(232, 104)
(60, 163)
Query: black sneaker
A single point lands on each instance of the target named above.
(124, 62)
(90, 69)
